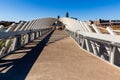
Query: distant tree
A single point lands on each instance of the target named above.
(58, 17)
(67, 14)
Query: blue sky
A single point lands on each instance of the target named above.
(15, 10)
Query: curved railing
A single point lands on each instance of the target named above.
(102, 45)
(91, 38)
(10, 41)
(19, 34)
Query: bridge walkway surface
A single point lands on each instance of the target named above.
(55, 57)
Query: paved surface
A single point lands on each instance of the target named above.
(59, 59)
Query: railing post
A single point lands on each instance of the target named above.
(88, 45)
(18, 42)
(81, 40)
(94, 47)
(83, 43)
(40, 33)
(29, 36)
(78, 39)
(112, 54)
(35, 35)
(102, 51)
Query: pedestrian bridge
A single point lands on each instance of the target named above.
(35, 50)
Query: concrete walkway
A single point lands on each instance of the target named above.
(60, 59)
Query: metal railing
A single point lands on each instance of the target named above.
(10, 41)
(102, 45)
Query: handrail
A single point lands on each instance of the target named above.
(10, 41)
(10, 34)
(112, 39)
(103, 45)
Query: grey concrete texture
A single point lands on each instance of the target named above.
(59, 59)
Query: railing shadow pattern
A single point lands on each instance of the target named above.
(19, 68)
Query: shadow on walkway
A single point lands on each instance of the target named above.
(19, 68)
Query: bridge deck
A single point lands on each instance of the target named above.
(59, 59)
